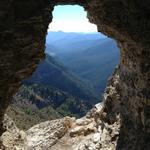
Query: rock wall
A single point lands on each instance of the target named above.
(128, 22)
(23, 28)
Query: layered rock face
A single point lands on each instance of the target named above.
(23, 29)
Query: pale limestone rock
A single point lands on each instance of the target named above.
(83, 130)
(79, 130)
(83, 121)
(12, 138)
(96, 137)
(46, 134)
(63, 134)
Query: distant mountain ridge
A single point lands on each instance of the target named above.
(61, 42)
(92, 57)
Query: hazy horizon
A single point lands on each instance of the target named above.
(71, 18)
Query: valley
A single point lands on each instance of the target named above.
(92, 57)
(68, 82)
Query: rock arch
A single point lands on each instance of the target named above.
(23, 29)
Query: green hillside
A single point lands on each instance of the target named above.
(36, 103)
(52, 72)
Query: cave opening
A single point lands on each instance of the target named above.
(22, 36)
(72, 77)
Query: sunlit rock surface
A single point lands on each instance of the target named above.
(12, 138)
(86, 133)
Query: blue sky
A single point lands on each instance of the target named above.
(71, 18)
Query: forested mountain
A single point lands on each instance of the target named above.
(70, 79)
(35, 103)
(92, 57)
(52, 73)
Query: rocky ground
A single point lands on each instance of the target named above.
(87, 133)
